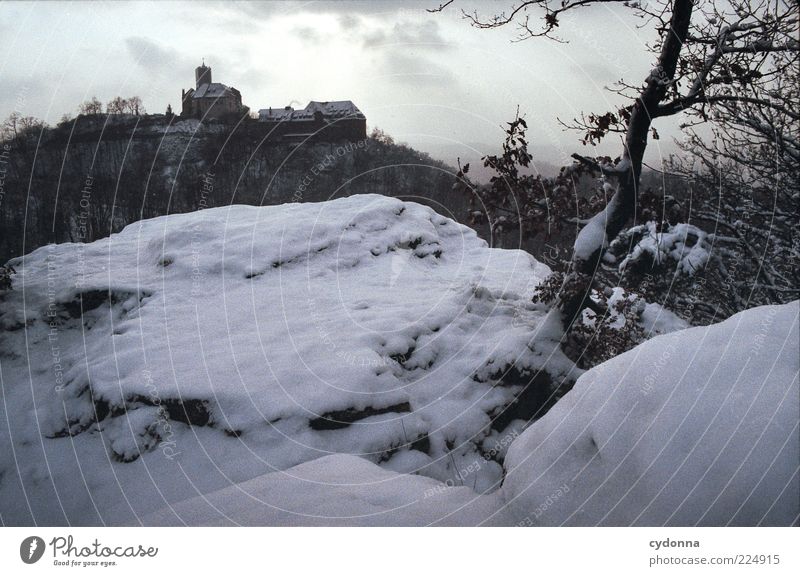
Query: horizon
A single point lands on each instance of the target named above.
(428, 80)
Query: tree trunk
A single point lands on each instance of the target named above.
(604, 227)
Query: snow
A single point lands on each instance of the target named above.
(188, 126)
(213, 90)
(687, 245)
(658, 320)
(255, 324)
(275, 114)
(332, 109)
(336, 490)
(339, 363)
(653, 317)
(697, 427)
(592, 237)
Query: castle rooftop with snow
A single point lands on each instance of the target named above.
(327, 121)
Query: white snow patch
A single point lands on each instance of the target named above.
(282, 334)
(687, 245)
(697, 427)
(337, 490)
(592, 236)
(252, 323)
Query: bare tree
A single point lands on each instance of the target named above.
(93, 106)
(118, 105)
(11, 126)
(710, 61)
(133, 105)
(747, 177)
(20, 128)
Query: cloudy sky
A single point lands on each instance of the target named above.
(429, 80)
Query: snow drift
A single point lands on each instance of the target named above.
(193, 351)
(366, 361)
(699, 427)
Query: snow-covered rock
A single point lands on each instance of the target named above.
(696, 427)
(363, 361)
(195, 351)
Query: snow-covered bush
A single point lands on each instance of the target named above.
(686, 246)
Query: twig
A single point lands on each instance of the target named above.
(605, 170)
(440, 8)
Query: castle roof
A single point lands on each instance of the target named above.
(330, 110)
(334, 109)
(276, 114)
(212, 90)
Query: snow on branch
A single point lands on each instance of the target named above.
(685, 244)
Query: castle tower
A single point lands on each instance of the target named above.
(202, 75)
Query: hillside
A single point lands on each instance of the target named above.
(91, 176)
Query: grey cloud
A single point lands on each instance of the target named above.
(257, 10)
(369, 6)
(252, 78)
(416, 70)
(420, 34)
(20, 90)
(307, 34)
(266, 9)
(374, 38)
(165, 63)
(225, 17)
(151, 55)
(349, 22)
(597, 71)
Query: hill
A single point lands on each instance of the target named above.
(91, 176)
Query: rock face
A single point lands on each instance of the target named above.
(191, 351)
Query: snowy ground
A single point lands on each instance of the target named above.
(699, 427)
(232, 342)
(696, 427)
(293, 364)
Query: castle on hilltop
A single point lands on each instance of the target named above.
(337, 120)
(318, 121)
(209, 99)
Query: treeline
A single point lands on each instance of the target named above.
(118, 105)
(92, 175)
(18, 127)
